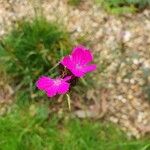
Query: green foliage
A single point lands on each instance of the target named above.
(74, 2)
(33, 49)
(31, 128)
(21, 129)
(124, 6)
(141, 4)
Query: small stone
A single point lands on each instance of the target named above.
(132, 81)
(120, 97)
(135, 61)
(118, 80)
(127, 36)
(140, 117)
(114, 120)
(130, 96)
(124, 100)
(126, 80)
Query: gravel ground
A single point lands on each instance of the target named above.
(122, 49)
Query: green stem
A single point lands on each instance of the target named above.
(69, 102)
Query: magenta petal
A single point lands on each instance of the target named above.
(81, 55)
(51, 91)
(67, 62)
(78, 73)
(63, 88)
(44, 82)
(89, 68)
(88, 57)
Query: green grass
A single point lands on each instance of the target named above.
(33, 49)
(32, 128)
(124, 6)
(74, 2)
(113, 6)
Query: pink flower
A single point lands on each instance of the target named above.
(78, 61)
(53, 86)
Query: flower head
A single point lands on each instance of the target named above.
(53, 86)
(78, 61)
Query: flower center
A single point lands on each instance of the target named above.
(78, 66)
(57, 82)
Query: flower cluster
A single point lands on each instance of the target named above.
(74, 66)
